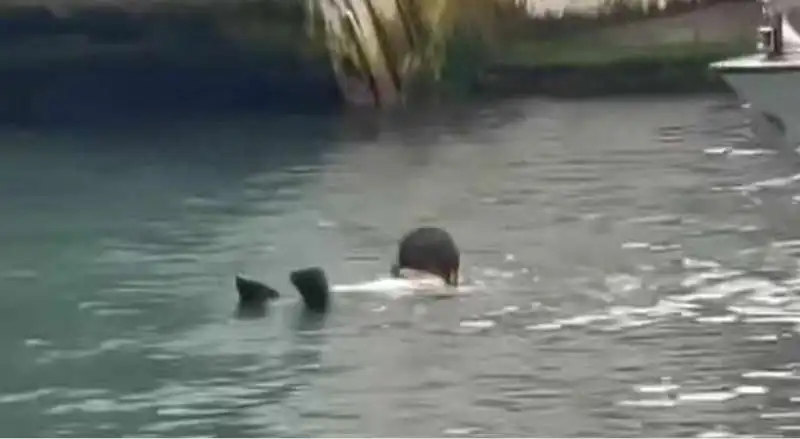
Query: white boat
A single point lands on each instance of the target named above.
(769, 80)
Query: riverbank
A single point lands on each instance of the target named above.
(109, 63)
(577, 69)
(658, 55)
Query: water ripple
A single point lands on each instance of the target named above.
(628, 282)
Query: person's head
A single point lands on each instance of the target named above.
(432, 250)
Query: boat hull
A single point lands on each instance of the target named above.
(772, 90)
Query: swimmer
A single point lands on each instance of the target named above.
(428, 253)
(427, 263)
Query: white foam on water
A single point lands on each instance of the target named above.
(670, 306)
(751, 390)
(773, 319)
(691, 263)
(707, 396)
(665, 386)
(663, 248)
(769, 183)
(755, 310)
(583, 320)
(501, 312)
(686, 398)
(727, 150)
(497, 273)
(622, 311)
(764, 337)
(649, 403)
(788, 427)
(789, 243)
(727, 318)
(779, 415)
(775, 297)
(326, 224)
(727, 289)
(792, 283)
(656, 219)
(463, 431)
(13, 398)
(628, 323)
(552, 326)
(771, 374)
(477, 324)
(37, 342)
(707, 276)
(719, 432)
(615, 318)
(622, 283)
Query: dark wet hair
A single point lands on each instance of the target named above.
(429, 249)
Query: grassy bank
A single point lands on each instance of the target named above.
(587, 67)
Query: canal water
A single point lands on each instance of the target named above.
(637, 262)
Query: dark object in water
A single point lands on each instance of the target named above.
(429, 249)
(254, 293)
(312, 284)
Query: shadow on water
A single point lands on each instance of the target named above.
(112, 67)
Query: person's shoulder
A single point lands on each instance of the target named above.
(429, 285)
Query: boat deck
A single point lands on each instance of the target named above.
(756, 63)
